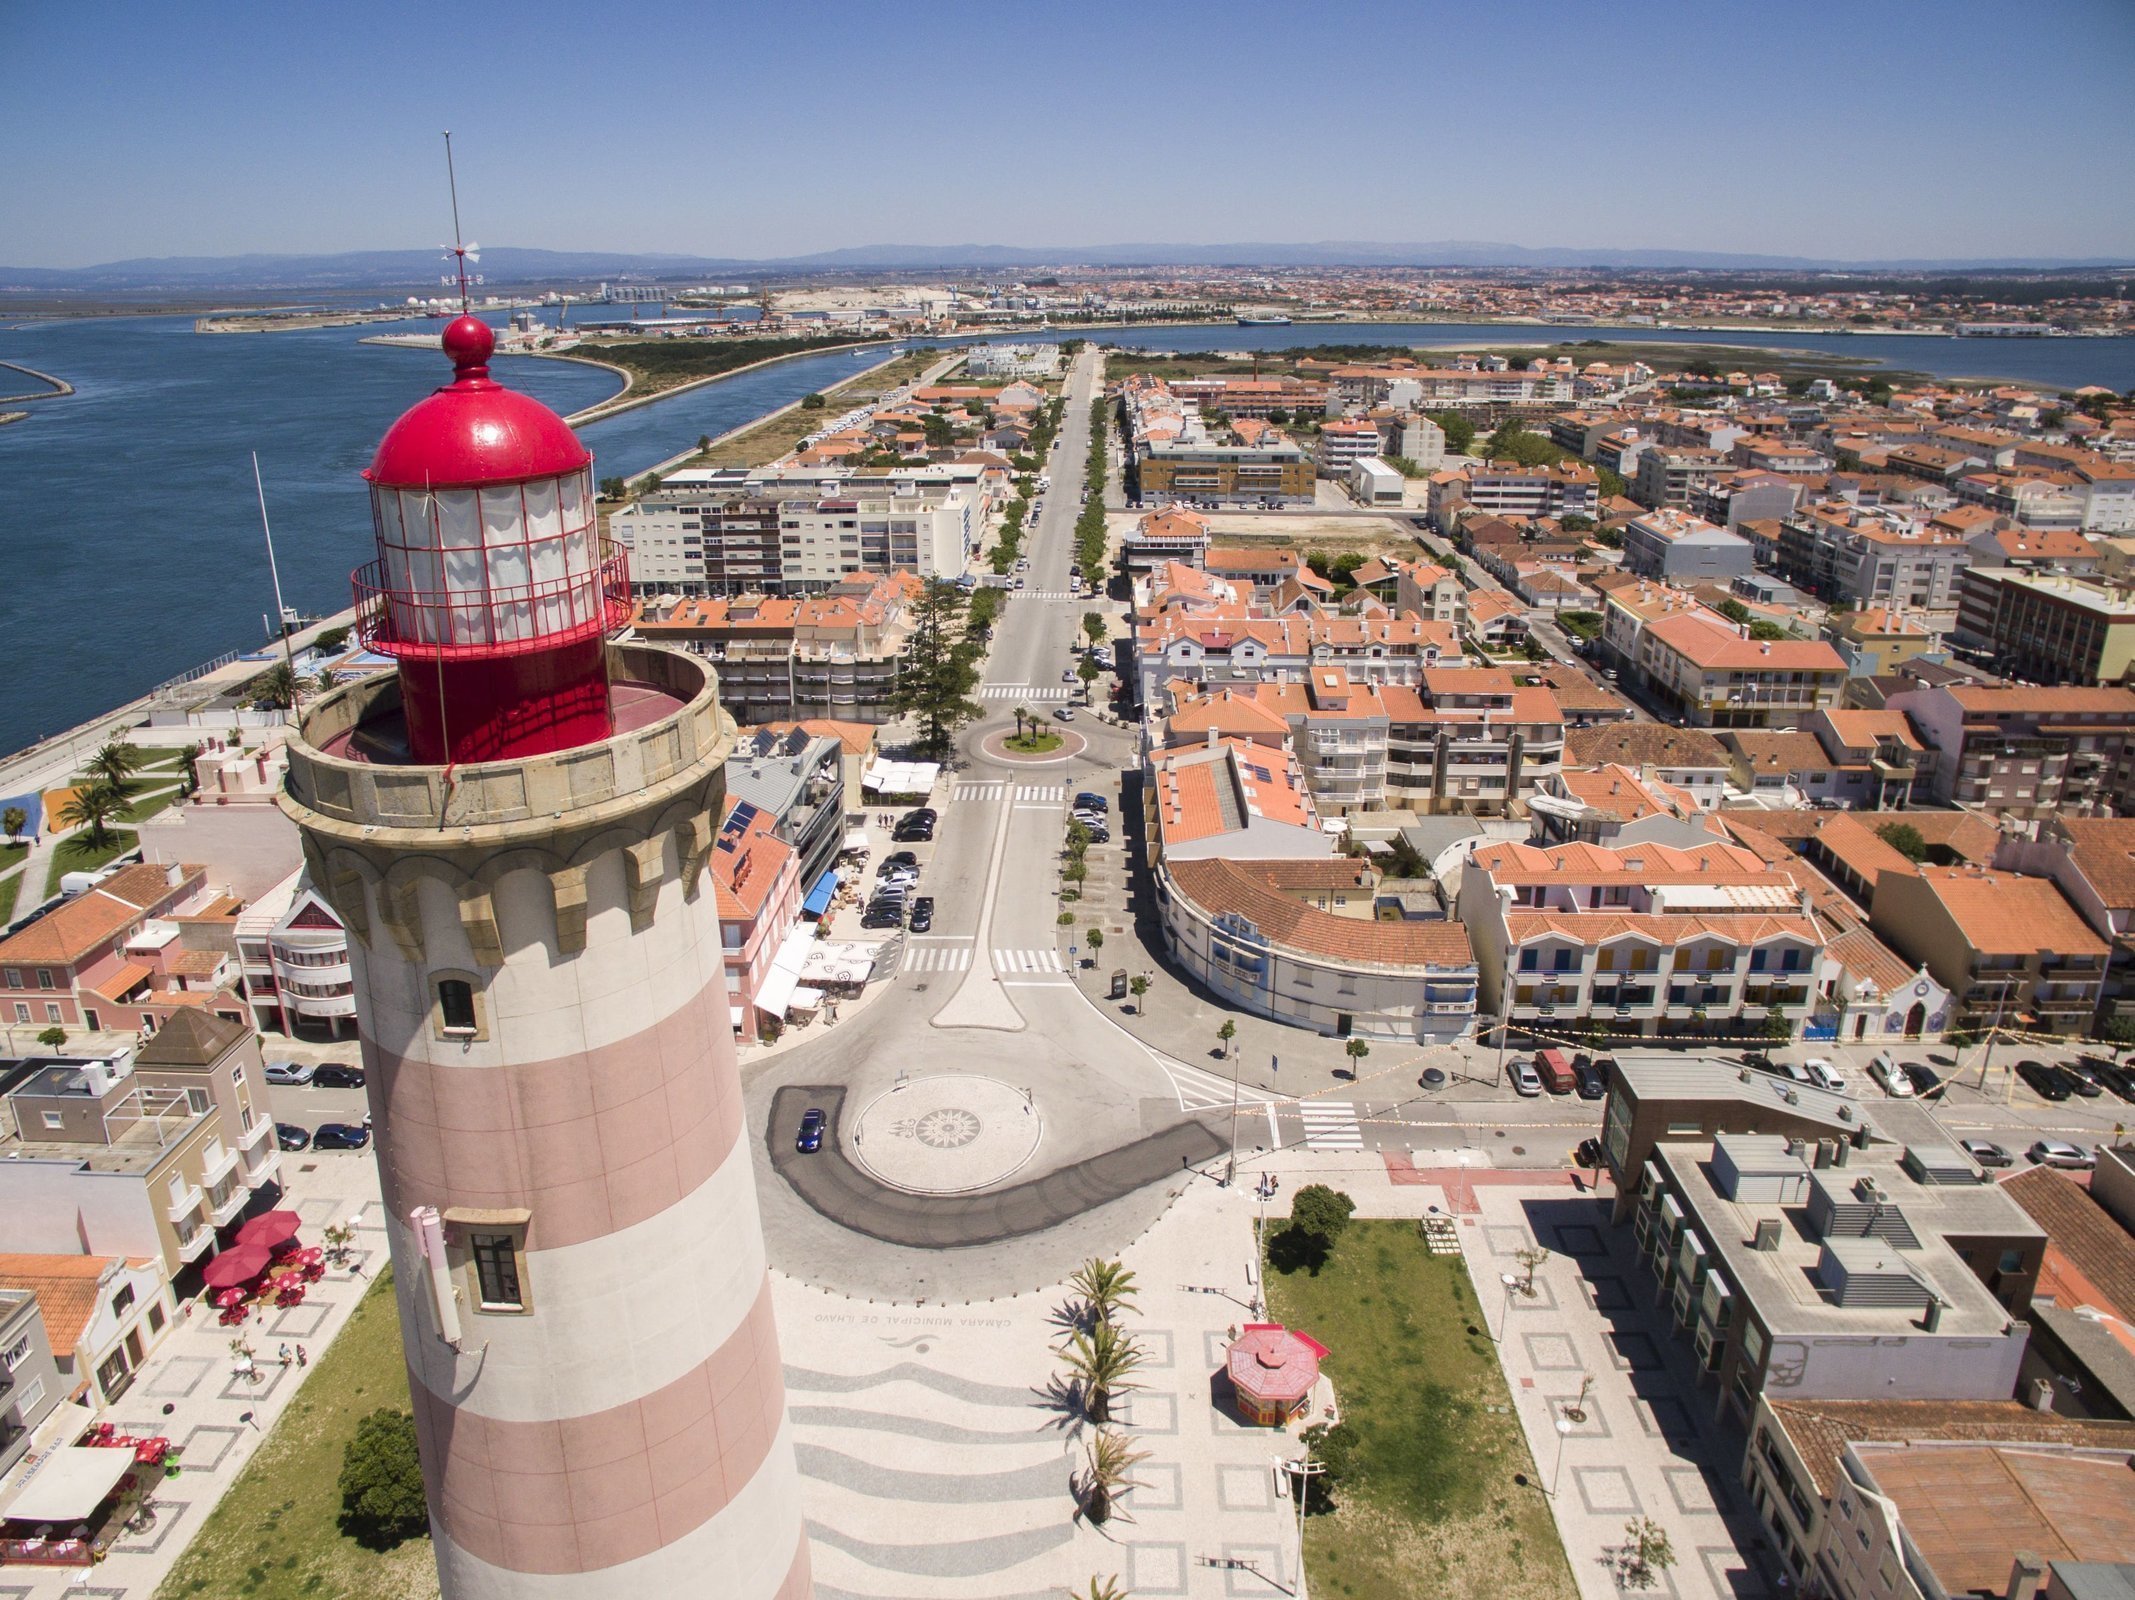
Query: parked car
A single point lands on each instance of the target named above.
(1064, 714)
(1554, 1067)
(2113, 1075)
(810, 1139)
(911, 831)
(1894, 1081)
(2045, 1082)
(1525, 1079)
(1099, 833)
(1987, 1153)
(1592, 1085)
(901, 858)
(1088, 801)
(2060, 1153)
(291, 1137)
(290, 1072)
(2084, 1080)
(1824, 1075)
(340, 1136)
(1588, 1154)
(1926, 1081)
(337, 1075)
(922, 913)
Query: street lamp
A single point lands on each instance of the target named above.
(1504, 1314)
(1304, 1469)
(1564, 1429)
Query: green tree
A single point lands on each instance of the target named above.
(1776, 1025)
(1334, 1447)
(1317, 1217)
(52, 1038)
(1103, 1360)
(1767, 631)
(1093, 627)
(1514, 442)
(330, 640)
(1609, 483)
(1575, 523)
(1096, 942)
(1139, 986)
(382, 1482)
(14, 819)
(1356, 1050)
(115, 763)
(1225, 1034)
(1106, 1287)
(272, 690)
(93, 808)
(1734, 610)
(1022, 715)
(1088, 671)
(812, 402)
(1904, 838)
(1459, 431)
(937, 675)
(614, 488)
(1647, 1552)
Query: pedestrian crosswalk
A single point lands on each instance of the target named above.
(998, 789)
(1205, 1091)
(1330, 1125)
(1027, 691)
(937, 958)
(1042, 594)
(1027, 961)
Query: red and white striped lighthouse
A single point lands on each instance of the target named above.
(515, 827)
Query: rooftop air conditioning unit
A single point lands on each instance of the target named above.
(1767, 1237)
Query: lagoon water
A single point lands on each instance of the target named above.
(129, 539)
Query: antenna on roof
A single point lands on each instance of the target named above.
(281, 612)
(461, 251)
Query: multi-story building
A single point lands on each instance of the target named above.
(138, 1163)
(1422, 442)
(29, 1376)
(1505, 489)
(1710, 674)
(1876, 640)
(1870, 556)
(1875, 1499)
(103, 1314)
(1838, 1268)
(1672, 477)
(797, 780)
(1735, 498)
(1173, 533)
(1646, 939)
(1033, 361)
(111, 958)
(2011, 950)
(827, 540)
(1237, 643)
(1677, 547)
(684, 542)
(1342, 443)
(757, 876)
(1274, 471)
(294, 955)
(2031, 752)
(2048, 626)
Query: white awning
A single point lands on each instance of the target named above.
(837, 961)
(804, 999)
(69, 1484)
(855, 840)
(735, 1013)
(776, 992)
(901, 777)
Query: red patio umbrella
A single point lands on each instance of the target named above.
(238, 1265)
(272, 1229)
(228, 1298)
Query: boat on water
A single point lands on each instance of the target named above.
(1264, 322)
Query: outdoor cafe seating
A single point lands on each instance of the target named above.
(76, 1502)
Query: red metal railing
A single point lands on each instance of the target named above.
(468, 624)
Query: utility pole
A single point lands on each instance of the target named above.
(1230, 1048)
(1304, 1469)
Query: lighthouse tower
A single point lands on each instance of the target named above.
(515, 827)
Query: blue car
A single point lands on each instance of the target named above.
(340, 1136)
(810, 1139)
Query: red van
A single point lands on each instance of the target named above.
(1556, 1069)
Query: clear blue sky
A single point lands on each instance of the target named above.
(1846, 128)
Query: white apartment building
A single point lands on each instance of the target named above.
(932, 536)
(294, 953)
(1423, 442)
(1014, 361)
(1343, 442)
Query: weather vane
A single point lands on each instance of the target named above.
(460, 252)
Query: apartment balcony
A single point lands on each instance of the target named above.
(192, 1246)
(224, 1163)
(225, 1208)
(187, 1203)
(1696, 995)
(262, 1128)
(1623, 997)
(1775, 995)
(264, 1169)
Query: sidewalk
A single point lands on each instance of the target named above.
(189, 1391)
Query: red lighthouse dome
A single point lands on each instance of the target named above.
(492, 587)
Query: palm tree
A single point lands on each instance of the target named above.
(1023, 712)
(115, 764)
(325, 680)
(1099, 1589)
(275, 689)
(1103, 1360)
(1105, 1287)
(1112, 1459)
(94, 807)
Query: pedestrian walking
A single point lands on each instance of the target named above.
(285, 1355)
(302, 1359)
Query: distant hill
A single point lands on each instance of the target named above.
(421, 271)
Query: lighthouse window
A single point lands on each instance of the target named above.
(496, 1266)
(455, 1005)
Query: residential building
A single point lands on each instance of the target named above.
(687, 542)
(758, 880)
(1342, 443)
(293, 952)
(2030, 752)
(2048, 626)
(1872, 556)
(2011, 950)
(1673, 477)
(1838, 1268)
(1265, 570)
(1597, 805)
(105, 1159)
(2037, 550)
(1423, 443)
(1231, 798)
(1032, 361)
(1506, 489)
(1240, 643)
(1710, 674)
(1274, 471)
(797, 780)
(1877, 641)
(1686, 759)
(102, 1314)
(1873, 1499)
(216, 1063)
(1677, 547)
(1172, 533)
(2091, 860)
(30, 1384)
(1250, 932)
(1732, 499)
(112, 958)
(2084, 1305)
(1372, 482)
(1646, 939)
(932, 535)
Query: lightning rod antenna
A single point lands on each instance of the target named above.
(459, 246)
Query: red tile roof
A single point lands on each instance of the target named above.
(1242, 888)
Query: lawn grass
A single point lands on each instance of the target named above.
(1035, 743)
(769, 440)
(1431, 1508)
(9, 888)
(75, 854)
(151, 804)
(276, 1534)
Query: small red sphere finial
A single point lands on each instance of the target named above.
(469, 341)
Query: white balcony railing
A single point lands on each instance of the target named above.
(184, 1204)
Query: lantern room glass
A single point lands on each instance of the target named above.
(501, 565)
